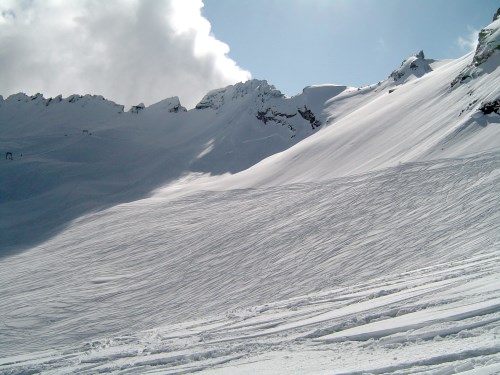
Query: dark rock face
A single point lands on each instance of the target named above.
(309, 116)
(490, 107)
(273, 116)
(270, 115)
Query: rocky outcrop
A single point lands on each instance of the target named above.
(267, 103)
(270, 115)
(413, 67)
(137, 108)
(309, 116)
(491, 107)
(487, 55)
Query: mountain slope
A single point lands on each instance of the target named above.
(114, 157)
(127, 155)
(344, 230)
(421, 120)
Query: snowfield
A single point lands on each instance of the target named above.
(341, 231)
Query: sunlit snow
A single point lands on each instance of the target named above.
(344, 230)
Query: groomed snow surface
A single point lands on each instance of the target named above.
(168, 241)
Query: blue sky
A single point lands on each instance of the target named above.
(295, 43)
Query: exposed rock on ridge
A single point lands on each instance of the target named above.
(414, 66)
(486, 57)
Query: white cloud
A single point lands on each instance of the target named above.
(469, 42)
(129, 51)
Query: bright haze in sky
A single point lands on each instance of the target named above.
(133, 51)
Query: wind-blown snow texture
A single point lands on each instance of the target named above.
(344, 230)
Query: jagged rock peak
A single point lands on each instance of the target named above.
(259, 89)
(497, 15)
(413, 67)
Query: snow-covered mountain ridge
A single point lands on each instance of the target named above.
(342, 230)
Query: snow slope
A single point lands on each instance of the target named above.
(409, 246)
(423, 119)
(343, 230)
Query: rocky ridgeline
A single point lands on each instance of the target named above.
(256, 97)
(266, 103)
(81, 100)
(171, 105)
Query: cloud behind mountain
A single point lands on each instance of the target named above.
(128, 51)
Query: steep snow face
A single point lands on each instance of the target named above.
(383, 125)
(413, 67)
(487, 55)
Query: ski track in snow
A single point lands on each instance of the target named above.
(189, 284)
